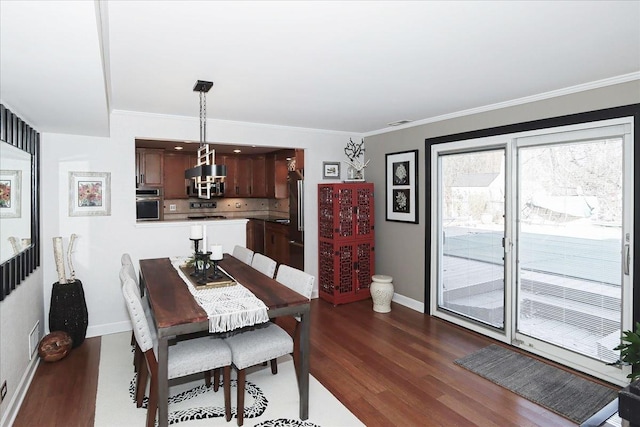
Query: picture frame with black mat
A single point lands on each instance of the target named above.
(401, 184)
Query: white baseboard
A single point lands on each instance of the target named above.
(109, 328)
(408, 302)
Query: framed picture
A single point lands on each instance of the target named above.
(10, 182)
(401, 178)
(89, 193)
(330, 170)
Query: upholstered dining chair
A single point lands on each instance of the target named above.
(300, 282)
(264, 264)
(127, 264)
(186, 357)
(253, 346)
(243, 254)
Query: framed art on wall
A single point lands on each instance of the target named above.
(330, 170)
(89, 193)
(10, 182)
(401, 178)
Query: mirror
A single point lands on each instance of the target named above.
(15, 201)
(19, 200)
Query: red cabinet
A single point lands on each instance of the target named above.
(346, 241)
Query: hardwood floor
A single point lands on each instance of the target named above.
(388, 369)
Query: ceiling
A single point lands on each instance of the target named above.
(344, 66)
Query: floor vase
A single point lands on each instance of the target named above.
(68, 310)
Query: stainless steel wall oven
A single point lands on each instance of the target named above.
(149, 204)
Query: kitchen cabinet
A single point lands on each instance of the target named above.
(255, 235)
(276, 242)
(276, 175)
(246, 176)
(258, 186)
(175, 184)
(149, 166)
(346, 241)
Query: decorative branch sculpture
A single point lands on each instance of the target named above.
(353, 150)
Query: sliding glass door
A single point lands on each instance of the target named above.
(530, 240)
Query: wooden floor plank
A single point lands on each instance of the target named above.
(388, 369)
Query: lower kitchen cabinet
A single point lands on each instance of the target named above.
(276, 242)
(255, 235)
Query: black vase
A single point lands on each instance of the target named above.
(68, 311)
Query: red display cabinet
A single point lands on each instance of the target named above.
(346, 241)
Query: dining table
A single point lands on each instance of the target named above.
(176, 315)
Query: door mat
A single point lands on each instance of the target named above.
(560, 391)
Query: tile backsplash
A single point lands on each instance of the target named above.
(229, 207)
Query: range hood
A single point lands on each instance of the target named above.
(206, 172)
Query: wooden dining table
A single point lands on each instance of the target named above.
(176, 314)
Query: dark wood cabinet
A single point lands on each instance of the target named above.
(175, 184)
(149, 166)
(276, 175)
(346, 241)
(258, 186)
(276, 242)
(255, 235)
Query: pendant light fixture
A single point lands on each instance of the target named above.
(206, 174)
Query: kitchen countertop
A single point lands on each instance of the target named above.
(270, 218)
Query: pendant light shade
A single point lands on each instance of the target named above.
(206, 174)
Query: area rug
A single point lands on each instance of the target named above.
(560, 391)
(270, 400)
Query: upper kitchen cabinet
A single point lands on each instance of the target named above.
(245, 176)
(149, 167)
(276, 174)
(175, 184)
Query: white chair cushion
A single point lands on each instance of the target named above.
(264, 264)
(243, 254)
(197, 355)
(260, 344)
(127, 265)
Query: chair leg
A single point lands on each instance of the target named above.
(226, 383)
(274, 366)
(152, 409)
(216, 379)
(240, 410)
(141, 383)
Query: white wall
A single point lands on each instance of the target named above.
(102, 239)
(20, 311)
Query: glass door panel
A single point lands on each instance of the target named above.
(471, 223)
(569, 241)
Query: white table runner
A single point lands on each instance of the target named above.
(228, 308)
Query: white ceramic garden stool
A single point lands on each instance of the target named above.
(381, 292)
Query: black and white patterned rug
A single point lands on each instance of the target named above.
(270, 400)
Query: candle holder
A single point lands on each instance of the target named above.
(197, 264)
(202, 265)
(216, 273)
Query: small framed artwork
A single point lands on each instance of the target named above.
(89, 193)
(330, 170)
(401, 178)
(10, 182)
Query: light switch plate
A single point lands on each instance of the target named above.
(172, 208)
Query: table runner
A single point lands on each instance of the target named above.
(228, 308)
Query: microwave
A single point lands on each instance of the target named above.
(217, 188)
(149, 204)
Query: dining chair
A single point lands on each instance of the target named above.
(186, 357)
(300, 282)
(243, 254)
(127, 270)
(127, 263)
(252, 346)
(264, 264)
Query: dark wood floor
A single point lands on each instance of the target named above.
(388, 369)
